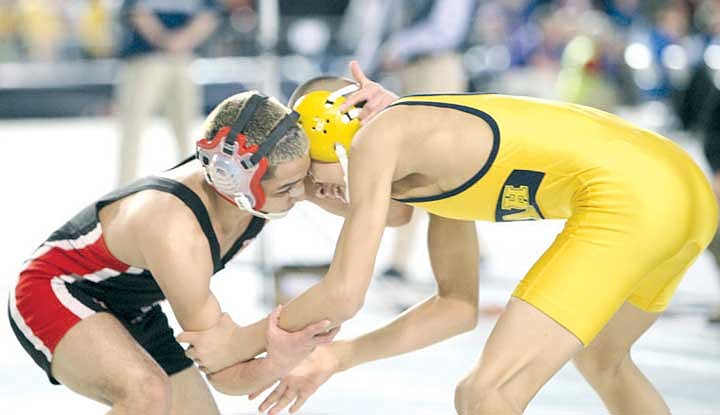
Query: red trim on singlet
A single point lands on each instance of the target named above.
(41, 310)
(77, 262)
(35, 299)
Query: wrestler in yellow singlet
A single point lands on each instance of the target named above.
(639, 210)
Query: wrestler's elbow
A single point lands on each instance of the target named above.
(345, 302)
(348, 306)
(464, 313)
(470, 317)
(468, 313)
(399, 215)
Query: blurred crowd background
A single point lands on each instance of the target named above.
(603, 52)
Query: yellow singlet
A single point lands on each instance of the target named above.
(638, 209)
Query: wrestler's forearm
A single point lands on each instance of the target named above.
(429, 322)
(247, 377)
(313, 305)
(249, 341)
(322, 301)
(341, 293)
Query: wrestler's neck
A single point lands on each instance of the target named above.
(224, 213)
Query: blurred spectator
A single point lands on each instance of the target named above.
(536, 47)
(539, 42)
(670, 29)
(624, 13)
(8, 29)
(488, 57)
(41, 28)
(413, 39)
(712, 152)
(237, 34)
(94, 29)
(161, 37)
(699, 108)
(586, 74)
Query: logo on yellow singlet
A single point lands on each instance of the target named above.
(517, 198)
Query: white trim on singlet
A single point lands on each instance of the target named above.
(66, 299)
(134, 270)
(78, 243)
(42, 250)
(19, 321)
(101, 275)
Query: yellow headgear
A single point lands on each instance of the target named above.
(324, 124)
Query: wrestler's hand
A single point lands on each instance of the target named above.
(301, 382)
(285, 350)
(212, 349)
(376, 97)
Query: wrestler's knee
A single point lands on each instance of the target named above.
(145, 391)
(475, 396)
(599, 364)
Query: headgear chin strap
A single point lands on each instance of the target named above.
(340, 151)
(234, 168)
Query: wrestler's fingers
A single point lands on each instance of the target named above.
(358, 73)
(299, 402)
(355, 99)
(284, 401)
(273, 397)
(260, 391)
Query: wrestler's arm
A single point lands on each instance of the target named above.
(246, 377)
(453, 248)
(285, 351)
(249, 338)
(339, 295)
(176, 251)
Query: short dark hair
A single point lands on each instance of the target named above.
(321, 83)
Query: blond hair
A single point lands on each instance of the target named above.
(293, 144)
